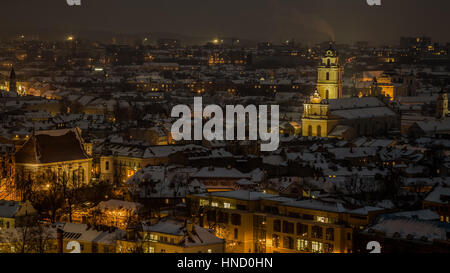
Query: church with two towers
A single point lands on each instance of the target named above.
(327, 114)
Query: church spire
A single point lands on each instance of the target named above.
(12, 81)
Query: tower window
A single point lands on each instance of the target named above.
(328, 76)
(328, 62)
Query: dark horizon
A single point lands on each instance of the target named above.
(255, 20)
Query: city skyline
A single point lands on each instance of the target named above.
(275, 21)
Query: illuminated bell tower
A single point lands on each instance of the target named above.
(316, 121)
(329, 80)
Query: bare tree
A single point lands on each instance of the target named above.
(41, 238)
(28, 238)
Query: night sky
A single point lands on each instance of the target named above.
(272, 20)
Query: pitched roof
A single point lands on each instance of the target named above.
(439, 195)
(196, 237)
(402, 227)
(52, 146)
(8, 209)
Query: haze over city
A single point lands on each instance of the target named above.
(256, 20)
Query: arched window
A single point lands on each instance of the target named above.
(328, 62)
(107, 165)
(310, 130)
(327, 94)
(319, 131)
(328, 76)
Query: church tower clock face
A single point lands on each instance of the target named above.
(329, 80)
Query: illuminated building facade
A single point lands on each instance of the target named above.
(115, 213)
(170, 236)
(53, 155)
(385, 83)
(327, 115)
(329, 78)
(253, 222)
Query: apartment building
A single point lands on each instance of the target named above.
(255, 222)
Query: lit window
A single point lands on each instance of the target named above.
(214, 204)
(302, 245)
(227, 205)
(317, 247)
(153, 237)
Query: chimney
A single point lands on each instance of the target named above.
(59, 239)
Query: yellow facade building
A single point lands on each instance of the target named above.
(329, 78)
(326, 114)
(171, 236)
(254, 222)
(385, 83)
